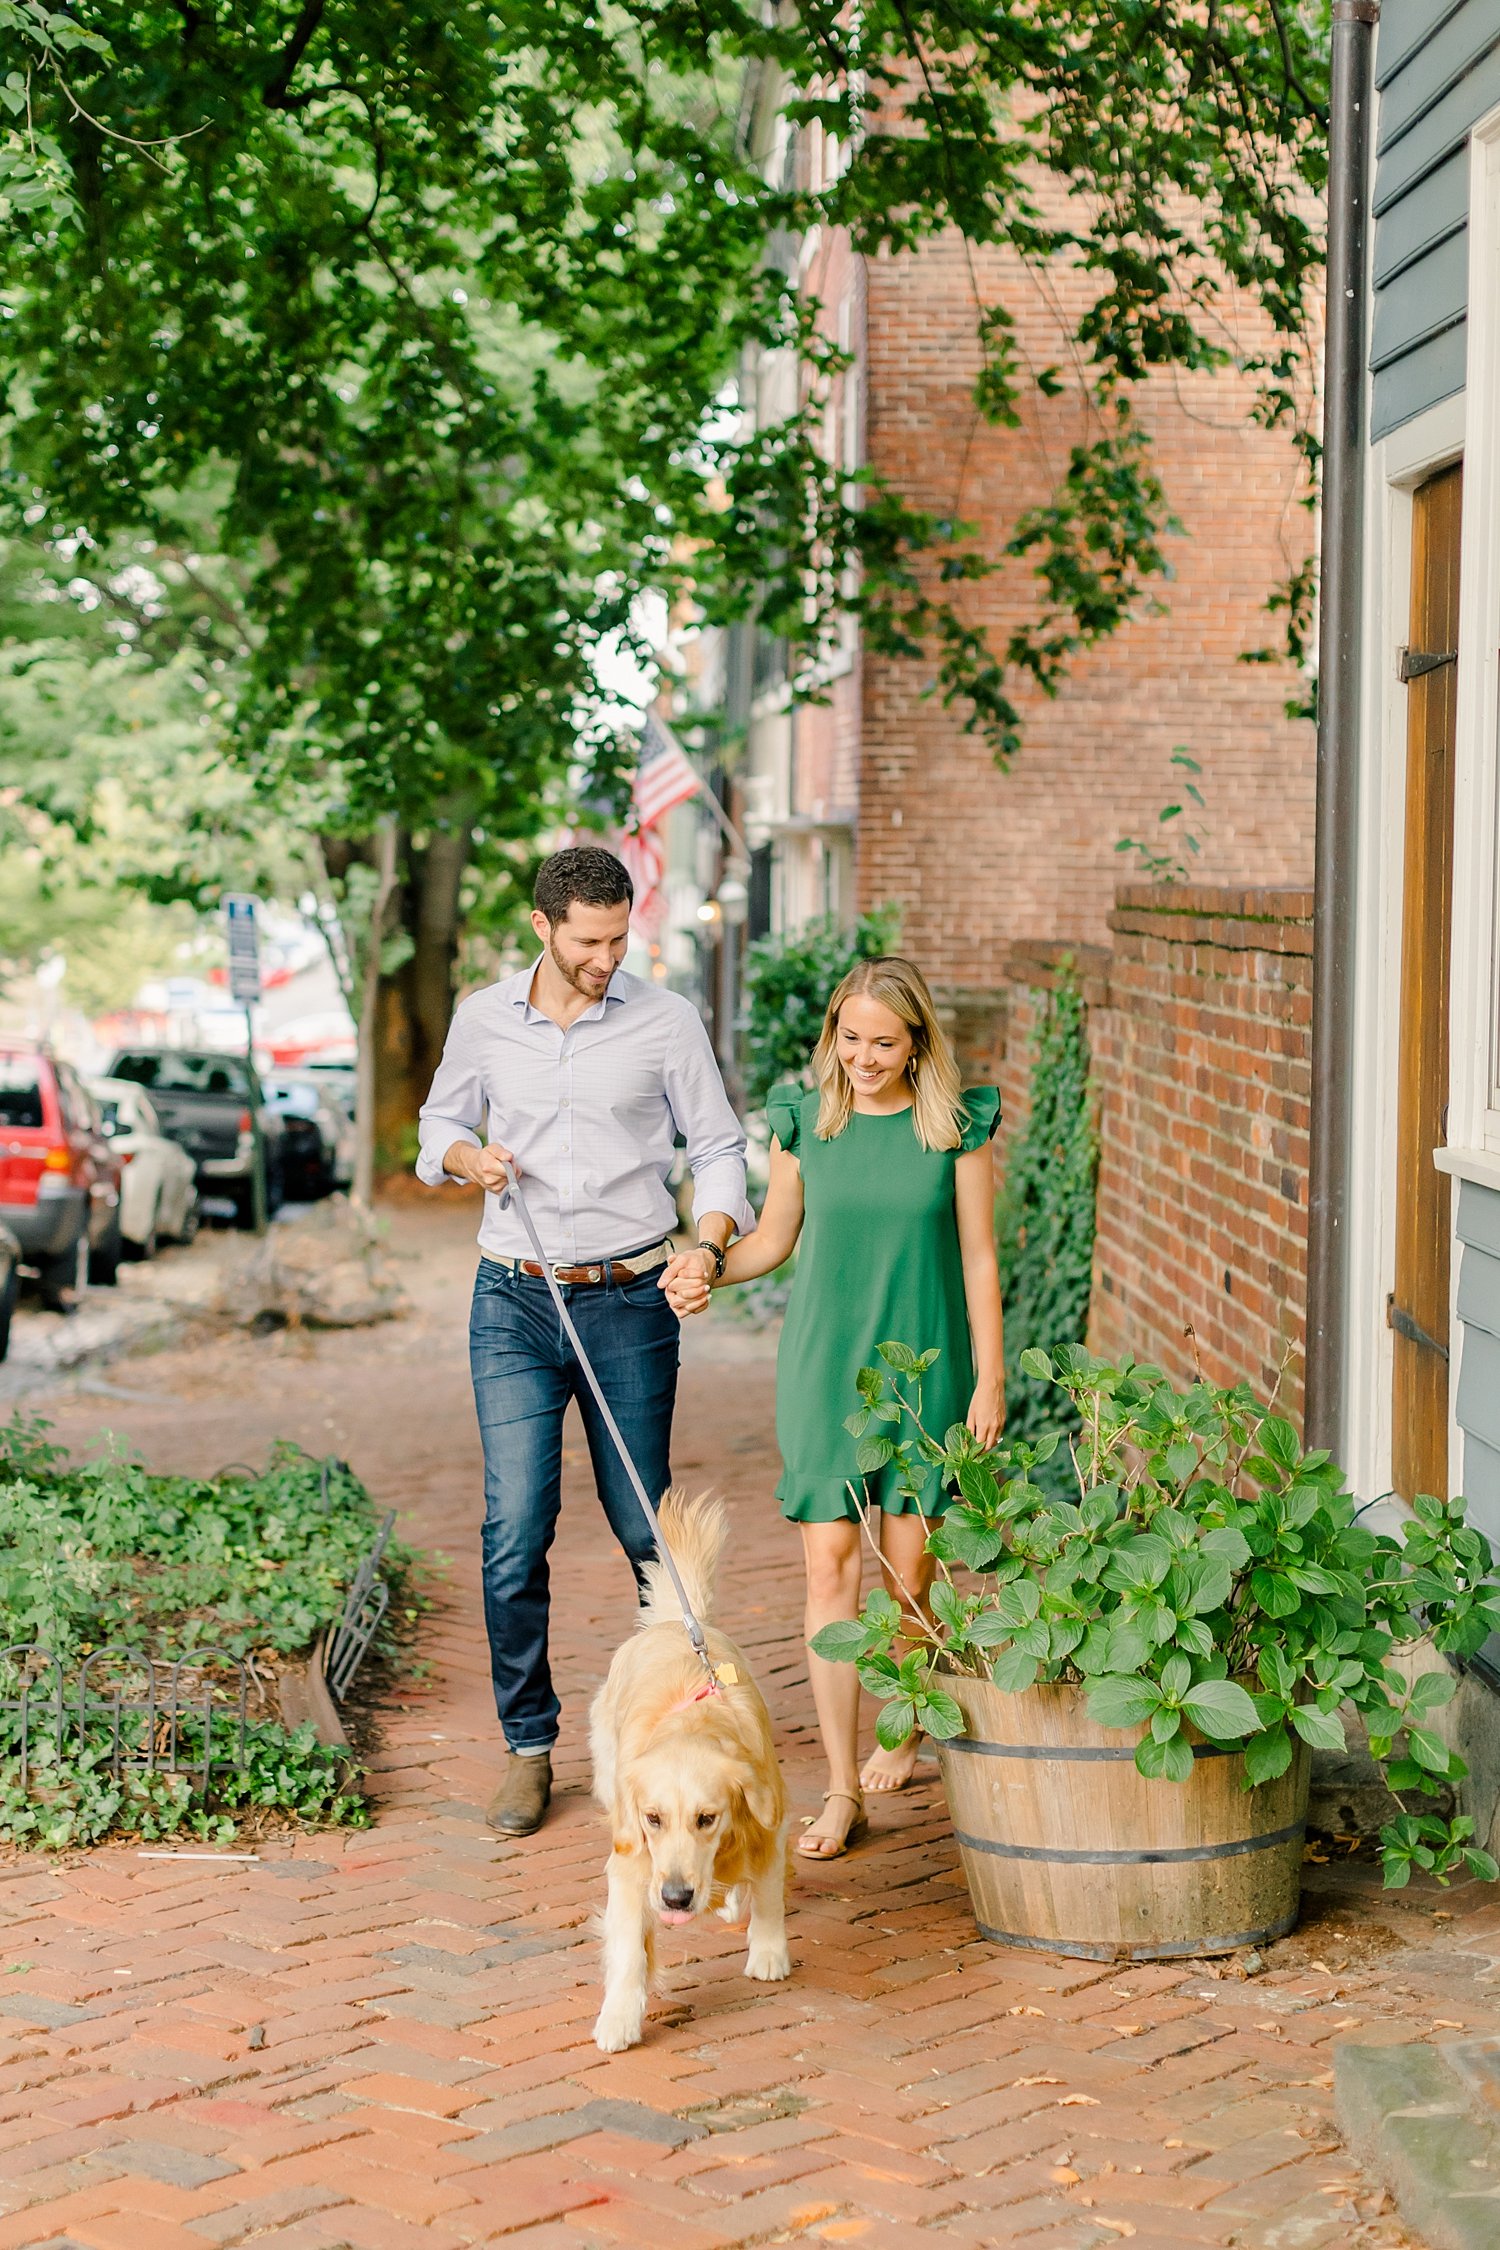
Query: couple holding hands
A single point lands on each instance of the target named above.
(582, 1077)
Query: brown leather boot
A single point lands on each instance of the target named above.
(519, 1805)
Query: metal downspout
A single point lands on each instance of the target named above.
(1339, 654)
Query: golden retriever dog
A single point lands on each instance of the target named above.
(685, 1768)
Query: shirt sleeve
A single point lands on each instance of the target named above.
(704, 1116)
(455, 1107)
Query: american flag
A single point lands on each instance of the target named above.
(664, 777)
(641, 850)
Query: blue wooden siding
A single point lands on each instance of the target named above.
(1479, 1351)
(1437, 68)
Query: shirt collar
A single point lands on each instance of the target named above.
(517, 990)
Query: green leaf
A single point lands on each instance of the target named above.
(1019, 1601)
(1014, 1672)
(1268, 1755)
(872, 1454)
(1429, 1750)
(1176, 1675)
(940, 1716)
(1480, 1864)
(1115, 1701)
(1321, 1729)
(896, 1722)
(899, 1356)
(1276, 1596)
(1430, 1690)
(840, 1642)
(1037, 1364)
(1221, 1708)
(1164, 1761)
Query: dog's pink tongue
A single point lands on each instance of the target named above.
(674, 1917)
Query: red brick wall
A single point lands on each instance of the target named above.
(1199, 1022)
(978, 858)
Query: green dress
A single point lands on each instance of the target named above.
(879, 1263)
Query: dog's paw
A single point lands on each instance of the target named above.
(619, 2026)
(768, 1964)
(736, 1907)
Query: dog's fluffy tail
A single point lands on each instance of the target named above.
(693, 1530)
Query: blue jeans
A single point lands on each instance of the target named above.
(525, 1372)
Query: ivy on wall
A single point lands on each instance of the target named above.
(1046, 1213)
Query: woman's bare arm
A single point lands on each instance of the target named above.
(974, 1200)
(775, 1237)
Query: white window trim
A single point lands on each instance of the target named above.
(1474, 996)
(1397, 464)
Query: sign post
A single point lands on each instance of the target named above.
(244, 986)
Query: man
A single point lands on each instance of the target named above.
(585, 1075)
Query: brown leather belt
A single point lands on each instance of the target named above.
(615, 1270)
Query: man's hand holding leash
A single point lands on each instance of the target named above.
(483, 1167)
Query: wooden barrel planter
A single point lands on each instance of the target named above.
(1068, 1849)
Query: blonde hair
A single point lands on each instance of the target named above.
(936, 1088)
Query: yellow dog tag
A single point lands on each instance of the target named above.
(726, 1675)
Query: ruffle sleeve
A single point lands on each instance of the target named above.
(784, 1113)
(981, 1116)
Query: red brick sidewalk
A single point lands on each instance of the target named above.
(382, 2040)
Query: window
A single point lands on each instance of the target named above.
(20, 1093)
(168, 1072)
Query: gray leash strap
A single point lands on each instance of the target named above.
(690, 1621)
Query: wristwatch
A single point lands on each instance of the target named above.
(718, 1258)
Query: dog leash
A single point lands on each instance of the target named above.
(691, 1625)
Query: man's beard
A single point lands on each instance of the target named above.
(574, 977)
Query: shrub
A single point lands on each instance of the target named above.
(1207, 1573)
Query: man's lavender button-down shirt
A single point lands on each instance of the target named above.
(591, 1113)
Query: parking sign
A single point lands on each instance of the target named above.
(244, 949)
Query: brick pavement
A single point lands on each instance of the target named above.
(381, 2040)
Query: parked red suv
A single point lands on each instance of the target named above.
(59, 1177)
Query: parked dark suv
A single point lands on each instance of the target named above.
(209, 1103)
(59, 1177)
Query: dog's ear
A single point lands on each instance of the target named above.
(626, 1814)
(762, 1800)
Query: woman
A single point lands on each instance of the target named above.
(884, 1170)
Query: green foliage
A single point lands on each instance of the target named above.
(1161, 860)
(105, 1552)
(103, 1555)
(76, 1799)
(788, 981)
(466, 402)
(1046, 1214)
(1206, 1575)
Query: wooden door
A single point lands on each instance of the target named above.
(1418, 1309)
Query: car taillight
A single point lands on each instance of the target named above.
(126, 1155)
(247, 1122)
(56, 1174)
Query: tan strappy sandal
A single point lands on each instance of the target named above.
(855, 1833)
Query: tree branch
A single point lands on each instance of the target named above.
(275, 94)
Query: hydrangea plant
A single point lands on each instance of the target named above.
(1203, 1571)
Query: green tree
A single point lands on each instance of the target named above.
(420, 317)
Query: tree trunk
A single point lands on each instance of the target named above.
(400, 912)
(414, 998)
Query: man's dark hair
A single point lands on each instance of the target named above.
(583, 875)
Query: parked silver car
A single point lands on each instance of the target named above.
(158, 1183)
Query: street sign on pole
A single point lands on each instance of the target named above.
(244, 949)
(244, 986)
